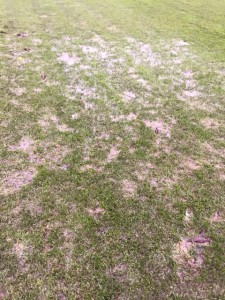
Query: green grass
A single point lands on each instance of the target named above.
(112, 160)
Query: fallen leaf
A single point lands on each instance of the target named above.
(43, 76)
(199, 239)
(22, 34)
(26, 49)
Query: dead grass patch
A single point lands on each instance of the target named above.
(19, 91)
(159, 127)
(214, 151)
(34, 208)
(15, 180)
(21, 250)
(129, 188)
(188, 218)
(188, 254)
(119, 272)
(128, 96)
(88, 167)
(49, 120)
(130, 117)
(67, 59)
(26, 144)
(113, 154)
(143, 170)
(210, 123)
(189, 164)
(217, 217)
(96, 212)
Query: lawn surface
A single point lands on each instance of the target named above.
(112, 154)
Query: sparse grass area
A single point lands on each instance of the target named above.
(112, 179)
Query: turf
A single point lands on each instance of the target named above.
(112, 180)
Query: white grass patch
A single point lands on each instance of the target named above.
(67, 59)
(210, 149)
(75, 116)
(15, 180)
(88, 49)
(217, 217)
(188, 218)
(26, 107)
(129, 117)
(222, 177)
(52, 83)
(49, 120)
(96, 212)
(111, 59)
(129, 188)
(84, 67)
(154, 182)
(19, 249)
(26, 144)
(159, 127)
(190, 84)
(144, 84)
(63, 128)
(142, 53)
(190, 164)
(100, 41)
(210, 123)
(188, 74)
(182, 250)
(19, 91)
(191, 94)
(85, 91)
(36, 41)
(143, 170)
(181, 43)
(50, 154)
(88, 105)
(103, 136)
(187, 258)
(34, 208)
(89, 167)
(128, 96)
(188, 253)
(113, 154)
(119, 272)
(4, 124)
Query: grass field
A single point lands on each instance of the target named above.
(112, 153)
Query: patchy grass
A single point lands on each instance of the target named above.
(112, 155)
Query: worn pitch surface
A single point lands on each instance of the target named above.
(112, 153)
